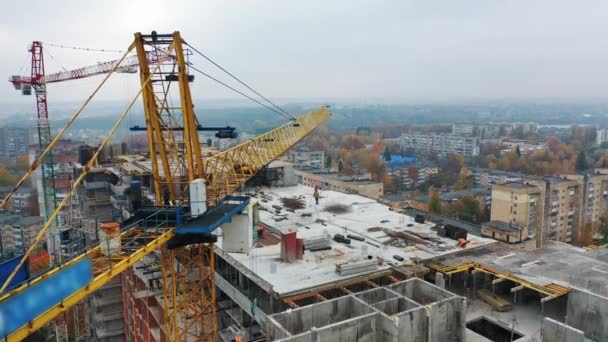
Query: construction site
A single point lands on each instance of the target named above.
(190, 243)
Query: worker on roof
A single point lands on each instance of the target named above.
(260, 230)
(316, 194)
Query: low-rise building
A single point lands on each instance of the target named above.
(502, 231)
(305, 158)
(488, 177)
(411, 175)
(361, 184)
(525, 147)
(483, 195)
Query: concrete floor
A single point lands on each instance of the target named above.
(528, 317)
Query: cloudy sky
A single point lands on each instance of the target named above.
(402, 49)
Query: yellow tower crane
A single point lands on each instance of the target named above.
(180, 174)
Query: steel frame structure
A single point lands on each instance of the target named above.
(188, 272)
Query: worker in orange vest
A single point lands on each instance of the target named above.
(462, 242)
(260, 230)
(238, 339)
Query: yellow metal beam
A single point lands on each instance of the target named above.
(98, 281)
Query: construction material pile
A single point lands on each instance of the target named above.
(338, 208)
(293, 203)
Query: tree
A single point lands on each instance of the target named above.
(6, 178)
(23, 162)
(464, 181)
(387, 154)
(466, 208)
(581, 162)
(328, 161)
(340, 166)
(518, 152)
(435, 205)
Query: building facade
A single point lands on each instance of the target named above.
(301, 158)
(14, 143)
(361, 185)
(442, 144)
(517, 203)
(482, 195)
(488, 177)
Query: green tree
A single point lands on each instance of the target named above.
(387, 154)
(328, 161)
(435, 205)
(603, 229)
(518, 152)
(466, 208)
(340, 166)
(581, 162)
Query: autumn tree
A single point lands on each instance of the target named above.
(435, 205)
(464, 181)
(6, 178)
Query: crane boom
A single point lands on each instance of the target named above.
(128, 65)
(189, 301)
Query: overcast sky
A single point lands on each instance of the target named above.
(401, 49)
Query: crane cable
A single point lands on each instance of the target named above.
(82, 48)
(238, 80)
(289, 117)
(78, 180)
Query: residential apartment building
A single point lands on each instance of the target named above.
(547, 207)
(361, 184)
(411, 175)
(442, 144)
(24, 201)
(19, 232)
(482, 131)
(14, 143)
(487, 177)
(518, 203)
(306, 158)
(601, 136)
(593, 202)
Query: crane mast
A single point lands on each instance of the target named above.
(44, 128)
(185, 184)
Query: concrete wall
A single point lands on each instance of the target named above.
(238, 233)
(588, 312)
(402, 320)
(409, 311)
(446, 311)
(554, 331)
(322, 314)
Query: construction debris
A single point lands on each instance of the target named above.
(340, 238)
(353, 267)
(293, 203)
(338, 208)
(355, 237)
(497, 302)
(317, 241)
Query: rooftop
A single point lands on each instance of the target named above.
(555, 262)
(357, 179)
(29, 220)
(517, 185)
(455, 195)
(500, 225)
(366, 218)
